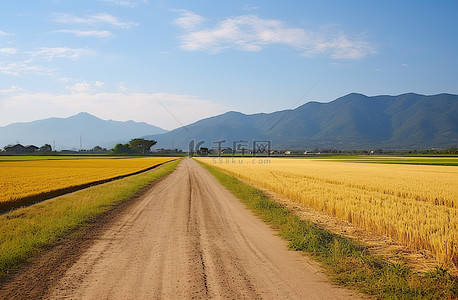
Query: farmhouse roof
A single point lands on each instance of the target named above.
(14, 146)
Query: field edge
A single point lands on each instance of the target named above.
(347, 262)
(7, 206)
(26, 232)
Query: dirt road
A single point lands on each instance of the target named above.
(188, 237)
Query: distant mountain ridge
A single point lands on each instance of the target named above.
(66, 132)
(354, 121)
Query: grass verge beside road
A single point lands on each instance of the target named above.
(25, 231)
(347, 262)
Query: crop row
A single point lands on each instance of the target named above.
(29, 179)
(417, 205)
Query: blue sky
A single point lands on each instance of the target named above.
(169, 63)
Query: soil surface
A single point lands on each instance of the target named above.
(187, 237)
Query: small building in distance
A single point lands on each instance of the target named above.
(166, 151)
(18, 148)
(68, 151)
(30, 149)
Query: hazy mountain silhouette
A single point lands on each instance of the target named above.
(66, 132)
(355, 121)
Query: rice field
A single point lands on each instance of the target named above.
(32, 178)
(414, 204)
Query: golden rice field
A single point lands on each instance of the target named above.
(21, 179)
(414, 204)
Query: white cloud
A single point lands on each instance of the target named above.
(188, 19)
(91, 26)
(8, 51)
(338, 46)
(248, 7)
(22, 67)
(82, 86)
(9, 90)
(25, 66)
(50, 53)
(3, 33)
(124, 2)
(88, 33)
(79, 87)
(112, 20)
(144, 107)
(122, 87)
(252, 33)
(94, 20)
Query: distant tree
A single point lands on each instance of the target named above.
(45, 148)
(97, 149)
(121, 149)
(142, 146)
(203, 151)
(452, 150)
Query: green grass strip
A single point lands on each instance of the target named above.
(25, 231)
(348, 262)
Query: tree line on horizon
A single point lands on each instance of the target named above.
(143, 146)
(135, 146)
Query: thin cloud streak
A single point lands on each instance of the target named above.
(49, 53)
(252, 33)
(124, 2)
(87, 33)
(23, 67)
(79, 87)
(188, 20)
(94, 20)
(8, 51)
(11, 89)
(3, 33)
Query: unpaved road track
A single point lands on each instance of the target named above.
(189, 238)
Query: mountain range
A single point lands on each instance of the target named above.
(354, 121)
(66, 133)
